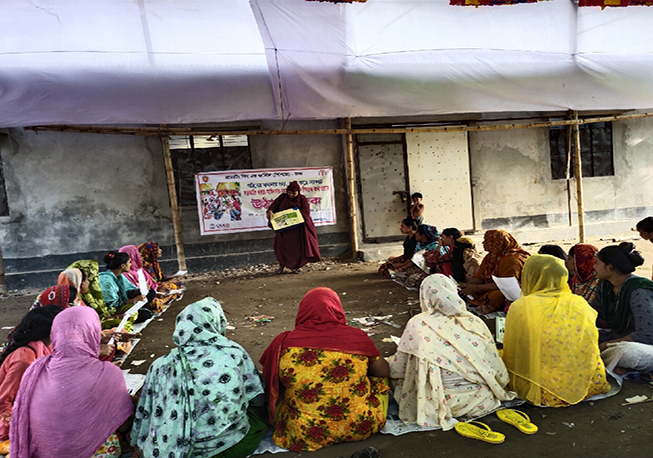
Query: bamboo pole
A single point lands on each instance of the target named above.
(174, 206)
(351, 189)
(569, 155)
(578, 174)
(156, 131)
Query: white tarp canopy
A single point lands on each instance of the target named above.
(199, 61)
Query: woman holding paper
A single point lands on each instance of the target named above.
(118, 293)
(505, 258)
(70, 403)
(160, 297)
(550, 345)
(296, 246)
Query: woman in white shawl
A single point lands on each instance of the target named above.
(446, 365)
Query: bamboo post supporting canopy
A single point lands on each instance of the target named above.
(351, 189)
(578, 174)
(174, 206)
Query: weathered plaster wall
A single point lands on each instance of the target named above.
(513, 189)
(74, 196)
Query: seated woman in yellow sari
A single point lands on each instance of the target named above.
(550, 345)
(324, 380)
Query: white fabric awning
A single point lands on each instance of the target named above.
(202, 61)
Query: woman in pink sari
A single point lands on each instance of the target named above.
(70, 404)
(158, 302)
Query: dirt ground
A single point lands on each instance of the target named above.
(602, 428)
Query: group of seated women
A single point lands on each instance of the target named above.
(325, 382)
(108, 295)
(426, 252)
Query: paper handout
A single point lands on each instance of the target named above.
(509, 286)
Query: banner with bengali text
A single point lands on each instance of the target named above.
(236, 200)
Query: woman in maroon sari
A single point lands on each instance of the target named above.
(294, 247)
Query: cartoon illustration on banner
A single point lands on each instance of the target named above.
(236, 200)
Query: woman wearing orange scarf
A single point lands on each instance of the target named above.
(505, 258)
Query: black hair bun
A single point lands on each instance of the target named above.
(634, 256)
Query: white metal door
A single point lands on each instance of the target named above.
(438, 166)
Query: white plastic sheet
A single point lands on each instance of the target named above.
(172, 62)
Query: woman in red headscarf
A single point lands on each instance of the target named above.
(297, 246)
(580, 264)
(324, 380)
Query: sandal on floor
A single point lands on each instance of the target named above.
(480, 431)
(279, 271)
(518, 419)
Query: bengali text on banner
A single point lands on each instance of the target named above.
(236, 200)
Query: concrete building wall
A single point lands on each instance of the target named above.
(513, 188)
(76, 196)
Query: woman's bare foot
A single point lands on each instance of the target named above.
(279, 271)
(620, 370)
(485, 309)
(297, 271)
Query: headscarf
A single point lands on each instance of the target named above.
(195, 399)
(69, 402)
(501, 245)
(458, 259)
(431, 233)
(446, 335)
(616, 309)
(551, 340)
(150, 256)
(93, 298)
(137, 264)
(294, 201)
(70, 277)
(55, 295)
(584, 280)
(320, 325)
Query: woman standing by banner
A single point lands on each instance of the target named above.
(296, 246)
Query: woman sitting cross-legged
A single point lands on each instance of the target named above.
(70, 404)
(160, 297)
(150, 255)
(505, 258)
(550, 345)
(460, 260)
(625, 302)
(31, 341)
(205, 398)
(324, 380)
(447, 365)
(118, 293)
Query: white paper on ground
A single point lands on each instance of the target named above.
(180, 273)
(509, 286)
